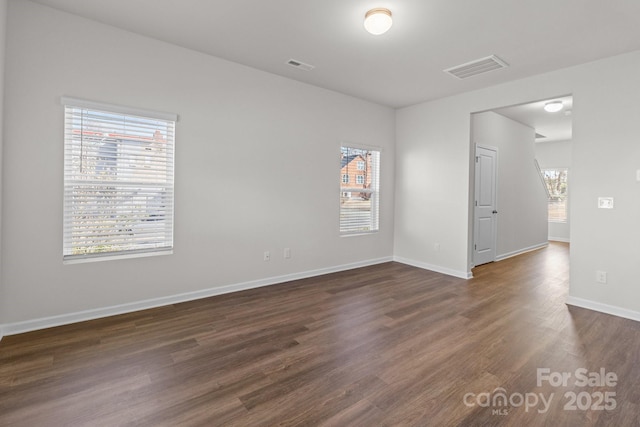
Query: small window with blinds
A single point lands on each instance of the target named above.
(359, 191)
(118, 181)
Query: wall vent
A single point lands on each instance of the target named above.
(300, 65)
(479, 66)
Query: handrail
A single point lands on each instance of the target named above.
(544, 184)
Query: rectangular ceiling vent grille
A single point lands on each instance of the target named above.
(479, 66)
(300, 65)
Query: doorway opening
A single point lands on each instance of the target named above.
(532, 165)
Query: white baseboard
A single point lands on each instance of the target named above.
(603, 308)
(521, 251)
(81, 316)
(559, 239)
(436, 268)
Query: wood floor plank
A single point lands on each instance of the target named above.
(386, 345)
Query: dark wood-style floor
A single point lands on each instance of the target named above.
(383, 345)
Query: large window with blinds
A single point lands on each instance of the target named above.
(118, 181)
(359, 190)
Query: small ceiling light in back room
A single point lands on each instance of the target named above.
(553, 106)
(378, 21)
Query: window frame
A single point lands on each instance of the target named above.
(372, 223)
(151, 181)
(564, 197)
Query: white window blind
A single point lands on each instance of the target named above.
(118, 180)
(359, 195)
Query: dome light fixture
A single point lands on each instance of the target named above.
(553, 106)
(378, 21)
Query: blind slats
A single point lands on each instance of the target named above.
(118, 176)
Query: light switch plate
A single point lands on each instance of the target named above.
(605, 202)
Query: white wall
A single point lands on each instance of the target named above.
(257, 167)
(3, 33)
(432, 183)
(522, 200)
(557, 155)
(432, 186)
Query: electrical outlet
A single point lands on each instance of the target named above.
(601, 276)
(287, 253)
(605, 202)
(267, 255)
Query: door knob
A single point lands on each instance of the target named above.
(495, 212)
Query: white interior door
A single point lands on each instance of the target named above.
(485, 209)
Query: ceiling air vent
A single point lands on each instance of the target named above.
(300, 65)
(479, 66)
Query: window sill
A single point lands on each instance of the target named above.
(361, 233)
(85, 259)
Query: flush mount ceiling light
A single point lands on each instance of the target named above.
(378, 21)
(553, 106)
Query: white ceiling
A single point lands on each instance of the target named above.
(554, 126)
(399, 68)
